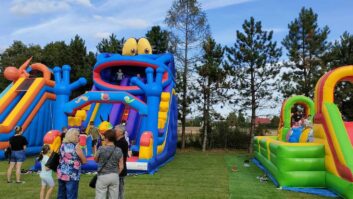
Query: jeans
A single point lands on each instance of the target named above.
(18, 156)
(68, 189)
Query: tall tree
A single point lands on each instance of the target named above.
(341, 54)
(254, 58)
(158, 39)
(110, 45)
(18, 53)
(80, 67)
(306, 45)
(56, 54)
(211, 86)
(189, 27)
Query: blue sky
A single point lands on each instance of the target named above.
(43, 21)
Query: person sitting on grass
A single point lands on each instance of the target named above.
(45, 173)
(18, 144)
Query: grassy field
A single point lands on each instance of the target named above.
(192, 174)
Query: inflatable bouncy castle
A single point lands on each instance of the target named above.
(136, 89)
(324, 165)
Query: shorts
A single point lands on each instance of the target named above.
(94, 143)
(18, 156)
(47, 181)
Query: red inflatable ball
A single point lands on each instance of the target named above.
(11, 73)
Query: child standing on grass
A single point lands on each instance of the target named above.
(46, 173)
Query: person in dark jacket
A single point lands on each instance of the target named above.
(123, 145)
(18, 144)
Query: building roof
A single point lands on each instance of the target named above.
(262, 120)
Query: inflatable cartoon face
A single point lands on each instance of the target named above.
(132, 47)
(114, 71)
(144, 46)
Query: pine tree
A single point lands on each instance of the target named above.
(110, 45)
(306, 45)
(254, 58)
(341, 54)
(80, 65)
(211, 85)
(159, 39)
(189, 27)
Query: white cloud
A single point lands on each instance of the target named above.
(24, 7)
(82, 2)
(275, 30)
(64, 28)
(102, 35)
(212, 4)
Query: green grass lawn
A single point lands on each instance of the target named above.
(192, 174)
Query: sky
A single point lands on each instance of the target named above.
(44, 21)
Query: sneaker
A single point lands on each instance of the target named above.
(263, 178)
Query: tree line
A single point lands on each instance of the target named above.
(244, 76)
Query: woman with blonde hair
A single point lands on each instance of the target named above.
(69, 169)
(18, 144)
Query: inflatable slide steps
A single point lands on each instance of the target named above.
(79, 118)
(163, 109)
(146, 142)
(292, 164)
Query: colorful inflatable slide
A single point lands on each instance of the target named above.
(144, 100)
(327, 162)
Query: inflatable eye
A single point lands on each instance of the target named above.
(130, 47)
(144, 46)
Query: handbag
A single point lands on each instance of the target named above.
(53, 161)
(7, 153)
(93, 181)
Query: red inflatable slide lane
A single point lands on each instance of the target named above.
(349, 128)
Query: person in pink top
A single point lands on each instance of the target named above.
(83, 141)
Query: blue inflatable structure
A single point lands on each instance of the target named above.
(144, 100)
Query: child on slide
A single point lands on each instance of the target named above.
(294, 133)
(45, 173)
(308, 124)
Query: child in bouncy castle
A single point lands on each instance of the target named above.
(46, 173)
(294, 133)
(83, 141)
(309, 125)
